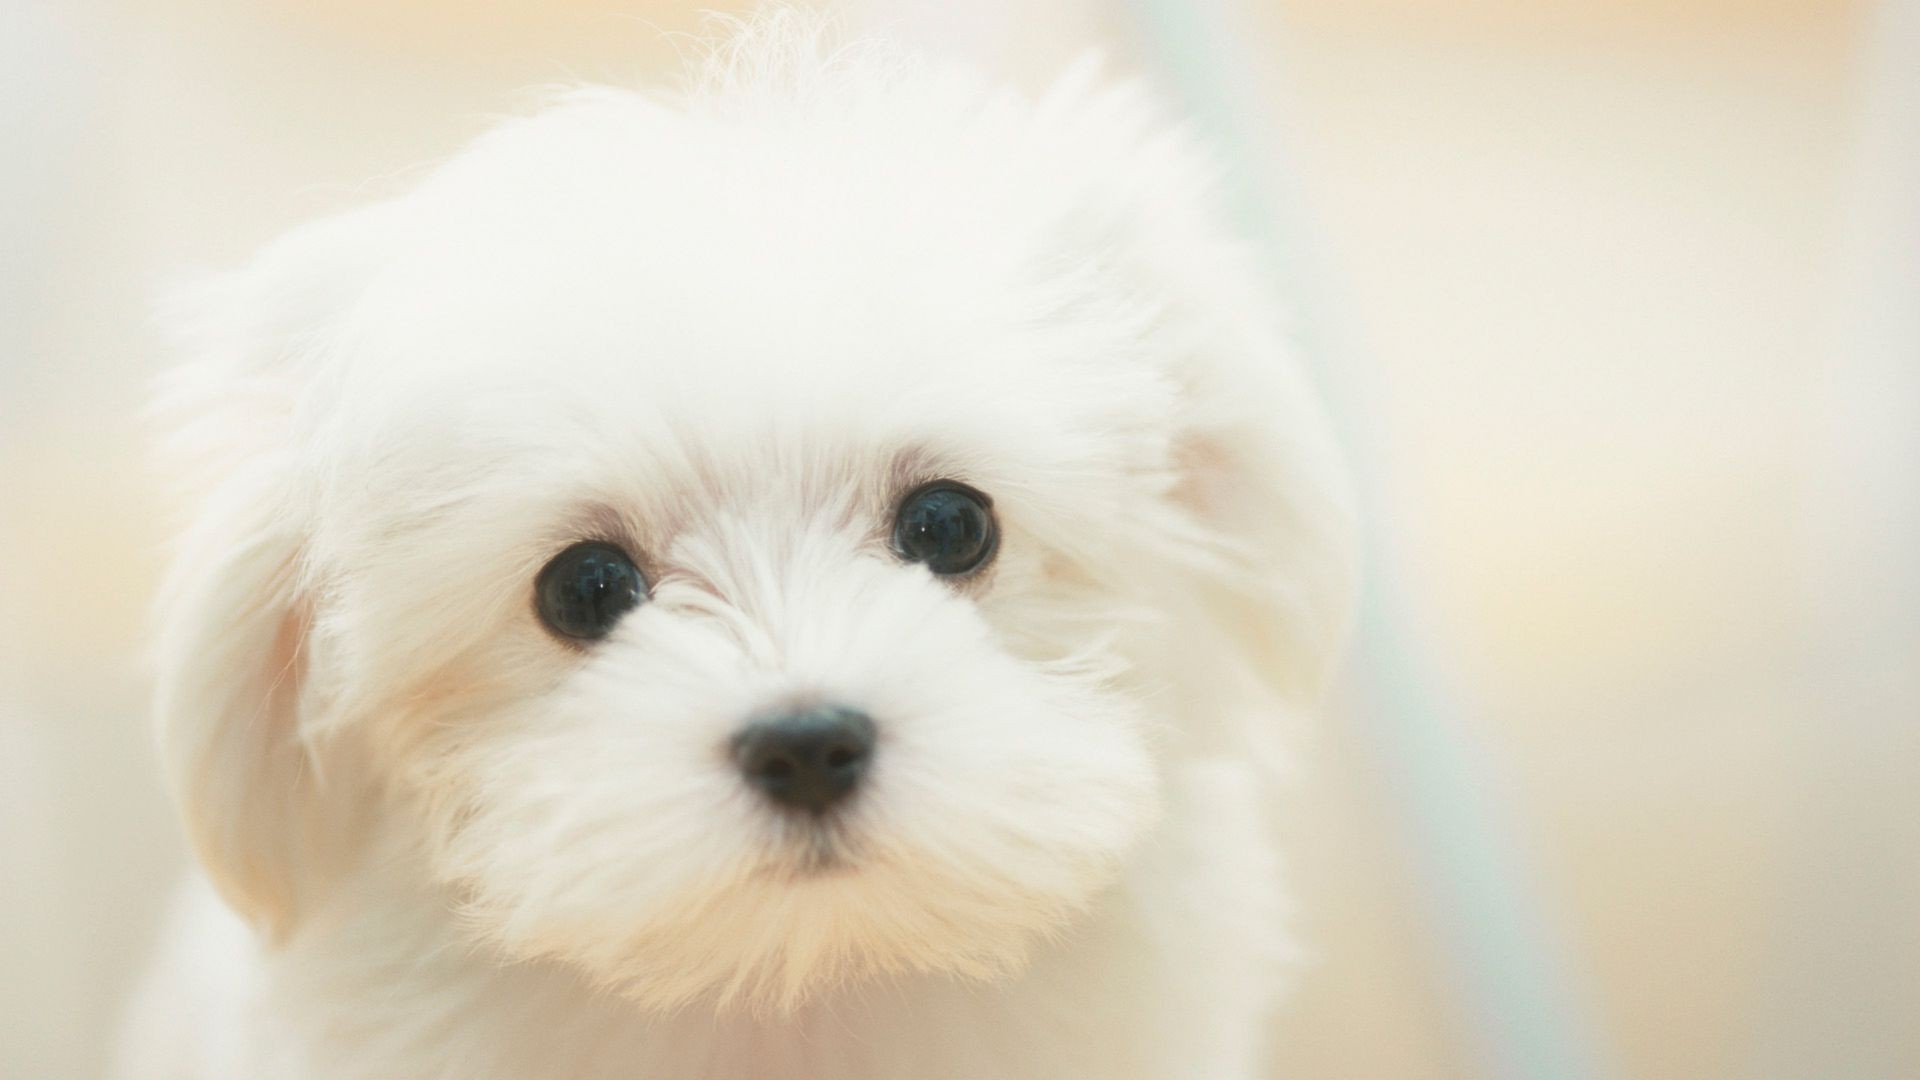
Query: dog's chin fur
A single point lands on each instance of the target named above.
(727, 330)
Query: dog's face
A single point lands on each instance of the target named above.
(724, 547)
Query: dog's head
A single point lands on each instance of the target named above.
(743, 543)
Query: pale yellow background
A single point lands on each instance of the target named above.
(1590, 264)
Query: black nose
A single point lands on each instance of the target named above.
(808, 759)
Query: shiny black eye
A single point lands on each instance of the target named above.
(946, 525)
(586, 588)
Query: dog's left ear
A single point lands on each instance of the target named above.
(1274, 548)
(267, 818)
(1259, 474)
(1271, 543)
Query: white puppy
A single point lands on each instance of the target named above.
(797, 579)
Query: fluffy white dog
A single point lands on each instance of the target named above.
(794, 579)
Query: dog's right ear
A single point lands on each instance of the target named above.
(234, 680)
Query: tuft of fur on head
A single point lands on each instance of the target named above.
(727, 330)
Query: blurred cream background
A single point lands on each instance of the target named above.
(1619, 287)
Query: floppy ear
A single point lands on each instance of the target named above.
(1258, 473)
(234, 671)
(1271, 544)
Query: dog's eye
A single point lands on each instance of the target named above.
(586, 588)
(946, 525)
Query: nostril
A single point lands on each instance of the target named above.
(809, 759)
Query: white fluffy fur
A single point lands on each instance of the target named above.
(728, 329)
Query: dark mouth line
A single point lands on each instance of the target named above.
(811, 849)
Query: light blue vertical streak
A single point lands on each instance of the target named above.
(1515, 991)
